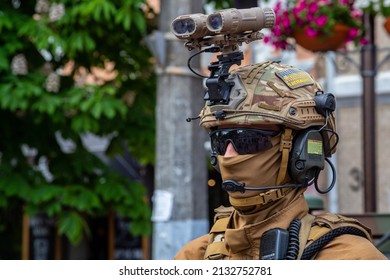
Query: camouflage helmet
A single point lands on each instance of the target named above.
(270, 93)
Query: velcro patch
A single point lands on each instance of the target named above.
(295, 78)
(314, 147)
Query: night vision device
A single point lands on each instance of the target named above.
(222, 31)
(229, 27)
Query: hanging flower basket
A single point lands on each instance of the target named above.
(323, 43)
(387, 25)
(337, 20)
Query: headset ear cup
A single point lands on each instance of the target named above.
(307, 156)
(214, 161)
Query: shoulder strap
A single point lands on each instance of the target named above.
(216, 248)
(325, 227)
(306, 223)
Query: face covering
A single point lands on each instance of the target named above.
(255, 170)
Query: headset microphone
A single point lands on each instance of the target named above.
(234, 186)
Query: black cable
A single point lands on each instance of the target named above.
(328, 189)
(293, 244)
(212, 49)
(317, 245)
(189, 64)
(334, 134)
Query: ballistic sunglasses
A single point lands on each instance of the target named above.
(244, 140)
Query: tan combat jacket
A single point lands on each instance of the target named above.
(237, 237)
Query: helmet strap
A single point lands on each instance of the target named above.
(260, 199)
(285, 148)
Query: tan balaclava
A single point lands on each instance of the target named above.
(258, 170)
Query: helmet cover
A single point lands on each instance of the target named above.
(270, 93)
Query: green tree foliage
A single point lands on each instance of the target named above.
(51, 87)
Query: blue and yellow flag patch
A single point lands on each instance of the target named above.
(295, 78)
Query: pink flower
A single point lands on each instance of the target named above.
(277, 7)
(301, 5)
(344, 2)
(356, 14)
(280, 45)
(353, 32)
(296, 12)
(286, 22)
(310, 32)
(277, 31)
(313, 7)
(321, 20)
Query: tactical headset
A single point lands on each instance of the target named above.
(310, 148)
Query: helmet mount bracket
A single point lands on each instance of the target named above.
(218, 88)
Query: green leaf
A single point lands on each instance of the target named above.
(96, 110)
(4, 64)
(5, 95)
(47, 104)
(13, 185)
(46, 193)
(110, 192)
(5, 22)
(108, 10)
(124, 17)
(83, 123)
(140, 21)
(80, 198)
(53, 209)
(72, 225)
(108, 108)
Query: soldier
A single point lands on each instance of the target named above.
(270, 139)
